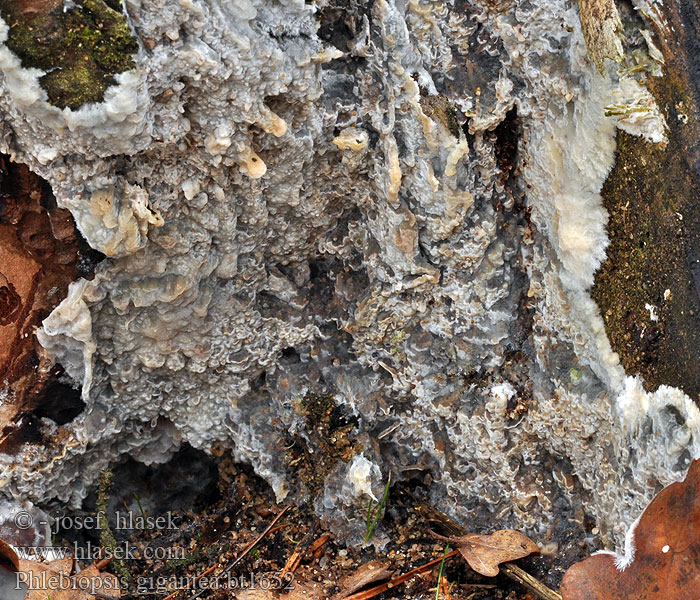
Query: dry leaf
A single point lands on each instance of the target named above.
(370, 572)
(10, 588)
(662, 556)
(8, 556)
(485, 552)
(601, 27)
(54, 580)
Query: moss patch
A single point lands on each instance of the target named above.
(654, 218)
(81, 49)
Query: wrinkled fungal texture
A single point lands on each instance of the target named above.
(392, 205)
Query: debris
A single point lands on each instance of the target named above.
(315, 548)
(652, 312)
(239, 558)
(444, 589)
(299, 552)
(302, 591)
(485, 553)
(375, 591)
(529, 582)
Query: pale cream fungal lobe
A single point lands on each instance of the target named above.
(456, 155)
(636, 111)
(272, 123)
(254, 166)
(393, 168)
(117, 223)
(360, 476)
(351, 138)
(219, 140)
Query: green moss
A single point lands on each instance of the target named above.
(107, 539)
(81, 49)
(653, 226)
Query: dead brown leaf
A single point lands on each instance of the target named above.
(8, 556)
(370, 572)
(485, 552)
(56, 581)
(664, 549)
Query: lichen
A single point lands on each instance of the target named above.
(81, 48)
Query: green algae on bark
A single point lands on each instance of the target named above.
(80, 48)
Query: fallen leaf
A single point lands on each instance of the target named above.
(10, 588)
(662, 557)
(8, 556)
(485, 552)
(370, 572)
(105, 584)
(54, 580)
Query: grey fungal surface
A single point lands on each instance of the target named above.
(395, 203)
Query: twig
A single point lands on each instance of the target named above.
(240, 557)
(99, 565)
(295, 559)
(526, 580)
(319, 543)
(194, 581)
(375, 591)
(276, 529)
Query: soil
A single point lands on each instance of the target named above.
(211, 511)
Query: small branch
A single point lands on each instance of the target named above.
(319, 543)
(375, 591)
(99, 565)
(528, 581)
(299, 552)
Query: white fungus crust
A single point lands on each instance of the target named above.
(285, 217)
